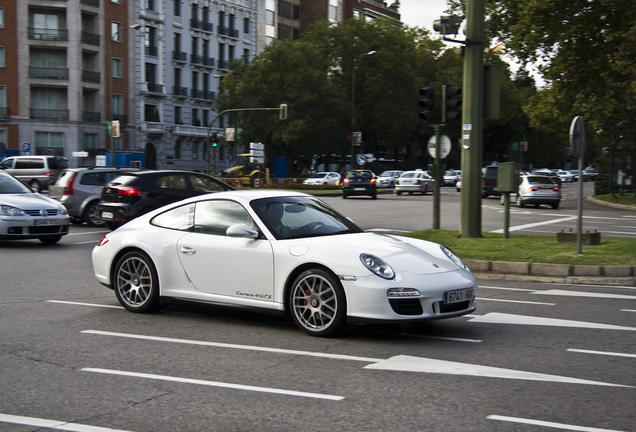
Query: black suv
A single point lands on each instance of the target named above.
(133, 194)
(359, 182)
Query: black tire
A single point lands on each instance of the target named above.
(317, 303)
(34, 184)
(136, 283)
(344, 195)
(520, 202)
(50, 240)
(76, 220)
(374, 196)
(555, 206)
(425, 190)
(399, 192)
(91, 215)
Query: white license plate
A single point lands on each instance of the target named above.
(40, 222)
(458, 296)
(358, 189)
(107, 215)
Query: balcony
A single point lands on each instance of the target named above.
(90, 76)
(48, 34)
(209, 95)
(180, 56)
(90, 38)
(202, 60)
(89, 116)
(153, 89)
(153, 127)
(224, 64)
(196, 93)
(226, 31)
(180, 91)
(187, 130)
(152, 51)
(122, 118)
(94, 3)
(4, 113)
(201, 25)
(48, 73)
(48, 114)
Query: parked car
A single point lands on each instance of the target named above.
(359, 182)
(566, 176)
(387, 178)
(489, 181)
(414, 181)
(39, 172)
(549, 173)
(284, 252)
(575, 175)
(323, 179)
(458, 185)
(135, 193)
(589, 174)
(25, 214)
(451, 177)
(537, 190)
(79, 189)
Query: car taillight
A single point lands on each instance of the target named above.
(483, 182)
(103, 241)
(397, 182)
(419, 182)
(48, 174)
(128, 191)
(556, 189)
(346, 181)
(68, 189)
(373, 181)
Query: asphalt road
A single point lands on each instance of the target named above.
(533, 357)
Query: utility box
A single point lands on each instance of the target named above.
(508, 177)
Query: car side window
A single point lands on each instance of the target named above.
(205, 184)
(179, 218)
(215, 217)
(6, 164)
(93, 179)
(172, 182)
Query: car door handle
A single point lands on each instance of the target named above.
(187, 250)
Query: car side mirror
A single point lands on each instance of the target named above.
(241, 230)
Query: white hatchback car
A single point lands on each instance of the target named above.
(323, 179)
(414, 181)
(388, 178)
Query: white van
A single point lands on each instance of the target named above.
(37, 171)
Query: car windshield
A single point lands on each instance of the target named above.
(9, 185)
(298, 217)
(387, 174)
(319, 175)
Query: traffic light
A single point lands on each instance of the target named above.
(283, 112)
(428, 103)
(451, 101)
(215, 141)
(447, 24)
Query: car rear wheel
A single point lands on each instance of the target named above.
(555, 205)
(317, 303)
(91, 215)
(425, 190)
(520, 202)
(136, 283)
(35, 185)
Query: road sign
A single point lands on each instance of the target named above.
(445, 145)
(257, 146)
(361, 160)
(578, 136)
(26, 147)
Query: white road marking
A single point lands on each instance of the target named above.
(584, 294)
(628, 310)
(532, 225)
(549, 424)
(506, 288)
(84, 304)
(404, 363)
(397, 363)
(501, 318)
(602, 353)
(515, 301)
(215, 384)
(54, 424)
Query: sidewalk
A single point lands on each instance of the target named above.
(553, 273)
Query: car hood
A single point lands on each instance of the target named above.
(401, 253)
(28, 201)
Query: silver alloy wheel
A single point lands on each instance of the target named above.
(317, 303)
(136, 283)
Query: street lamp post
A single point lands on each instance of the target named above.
(112, 115)
(353, 102)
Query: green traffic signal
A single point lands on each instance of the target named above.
(215, 141)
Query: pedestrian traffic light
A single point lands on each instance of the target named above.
(428, 103)
(215, 141)
(451, 101)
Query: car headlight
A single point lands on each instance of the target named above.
(377, 266)
(6, 210)
(453, 257)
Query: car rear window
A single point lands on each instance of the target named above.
(65, 178)
(540, 180)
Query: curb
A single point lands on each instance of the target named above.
(609, 204)
(553, 273)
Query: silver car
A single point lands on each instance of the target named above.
(414, 181)
(388, 178)
(537, 190)
(25, 214)
(79, 190)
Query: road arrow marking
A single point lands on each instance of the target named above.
(501, 318)
(405, 363)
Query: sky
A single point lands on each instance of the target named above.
(421, 13)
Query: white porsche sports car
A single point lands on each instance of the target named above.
(281, 251)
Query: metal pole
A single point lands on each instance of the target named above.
(436, 174)
(472, 120)
(353, 104)
(579, 223)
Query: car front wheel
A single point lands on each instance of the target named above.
(91, 215)
(317, 303)
(136, 283)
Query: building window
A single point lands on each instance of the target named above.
(151, 113)
(333, 11)
(1, 16)
(195, 147)
(90, 141)
(2, 56)
(117, 143)
(177, 8)
(149, 4)
(246, 25)
(150, 40)
(46, 140)
(195, 117)
(177, 115)
(117, 67)
(115, 31)
(177, 149)
(117, 105)
(269, 17)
